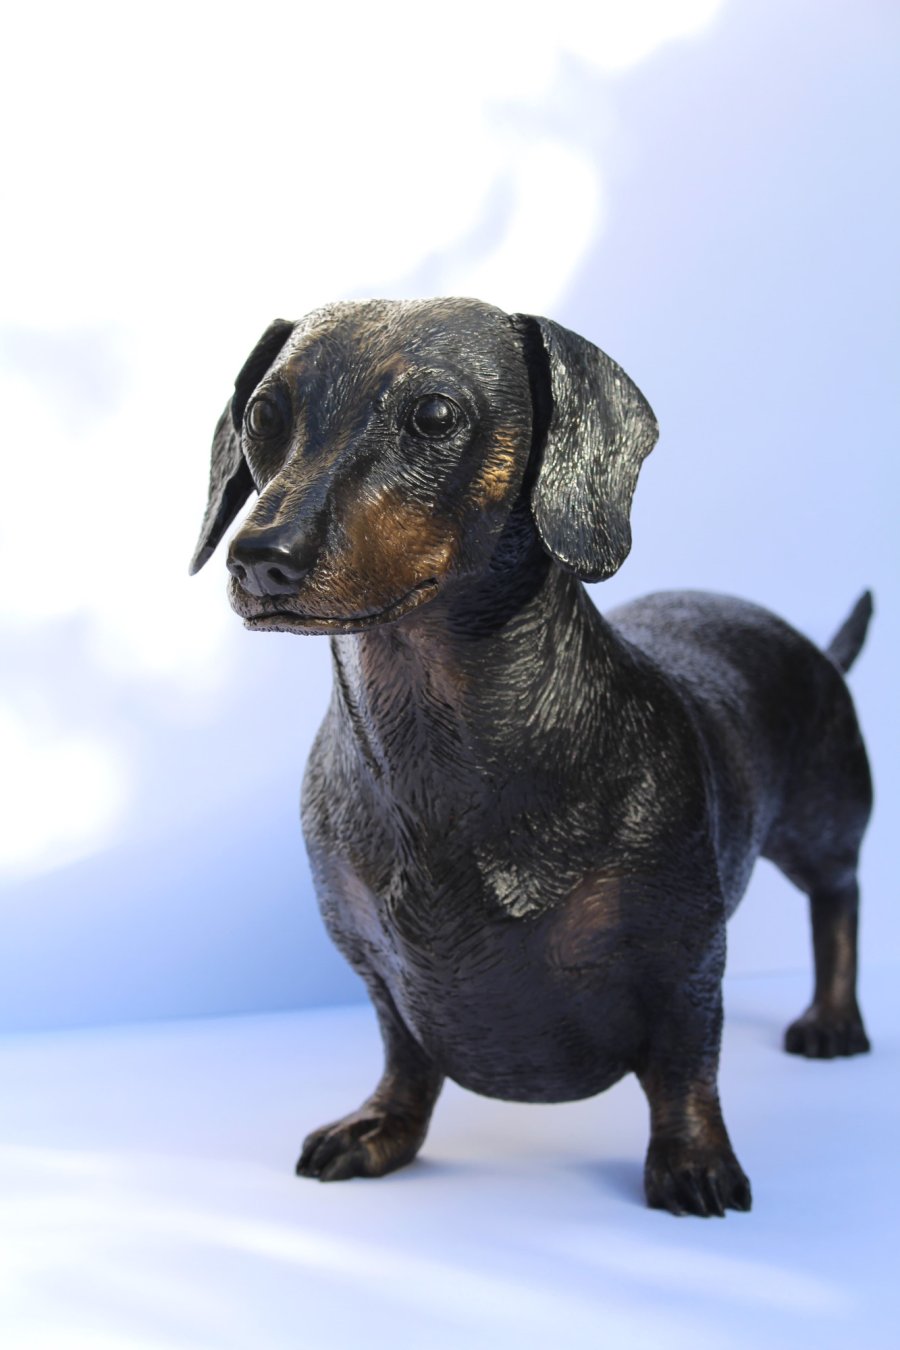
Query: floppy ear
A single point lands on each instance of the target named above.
(230, 483)
(599, 429)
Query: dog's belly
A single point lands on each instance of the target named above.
(528, 1041)
(539, 1008)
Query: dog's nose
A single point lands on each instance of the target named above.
(267, 562)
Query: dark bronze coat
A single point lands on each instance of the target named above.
(528, 823)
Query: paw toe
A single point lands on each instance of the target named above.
(703, 1184)
(819, 1035)
(325, 1146)
(364, 1144)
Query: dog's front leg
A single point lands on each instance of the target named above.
(691, 1167)
(389, 1128)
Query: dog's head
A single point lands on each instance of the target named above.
(390, 440)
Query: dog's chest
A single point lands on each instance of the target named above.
(506, 967)
(509, 908)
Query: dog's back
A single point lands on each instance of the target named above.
(790, 773)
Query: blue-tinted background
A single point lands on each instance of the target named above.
(706, 189)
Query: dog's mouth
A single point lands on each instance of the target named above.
(284, 620)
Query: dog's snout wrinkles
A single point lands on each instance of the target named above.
(267, 562)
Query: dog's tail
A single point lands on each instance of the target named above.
(845, 646)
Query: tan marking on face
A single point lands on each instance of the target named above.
(389, 547)
(396, 365)
(390, 536)
(496, 477)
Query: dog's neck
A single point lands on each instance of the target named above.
(516, 668)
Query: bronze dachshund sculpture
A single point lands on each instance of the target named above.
(528, 823)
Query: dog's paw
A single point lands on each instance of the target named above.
(686, 1179)
(827, 1034)
(367, 1143)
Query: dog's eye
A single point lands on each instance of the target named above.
(434, 417)
(265, 418)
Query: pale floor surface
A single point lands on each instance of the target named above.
(147, 1200)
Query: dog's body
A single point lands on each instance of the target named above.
(527, 823)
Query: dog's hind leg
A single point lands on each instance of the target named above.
(832, 1024)
(389, 1128)
(816, 845)
(815, 841)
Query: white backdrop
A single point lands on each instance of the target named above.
(705, 188)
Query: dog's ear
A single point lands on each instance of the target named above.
(598, 430)
(230, 483)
